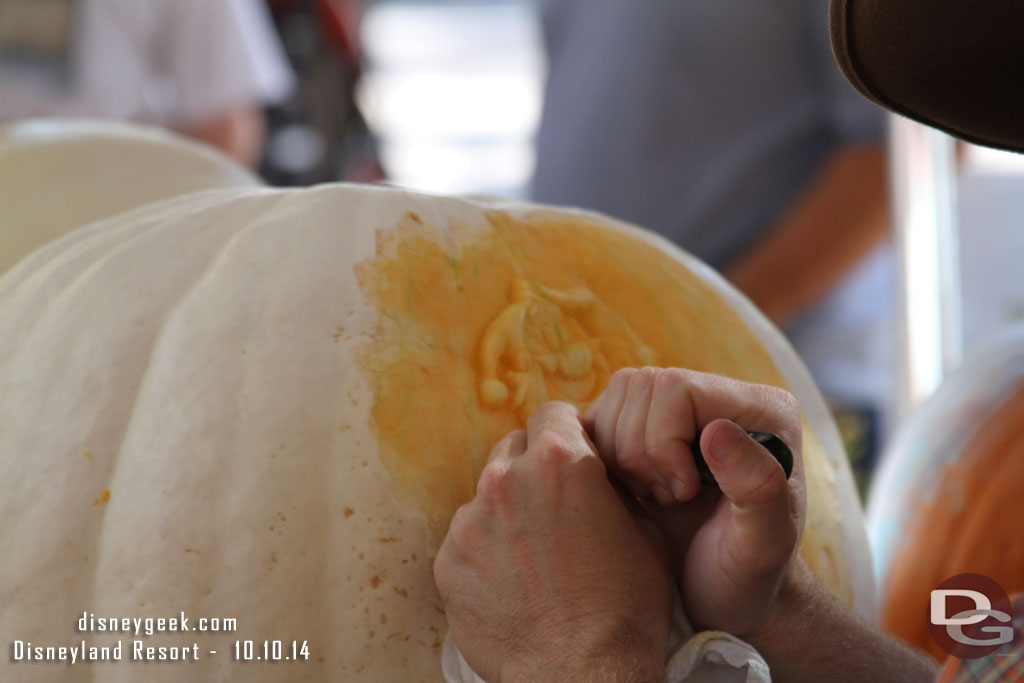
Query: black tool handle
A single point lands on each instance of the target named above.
(776, 446)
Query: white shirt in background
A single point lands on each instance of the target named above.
(179, 63)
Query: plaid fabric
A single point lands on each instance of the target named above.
(1004, 666)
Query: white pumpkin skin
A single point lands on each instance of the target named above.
(195, 359)
(57, 174)
(223, 502)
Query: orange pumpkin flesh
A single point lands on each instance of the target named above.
(971, 523)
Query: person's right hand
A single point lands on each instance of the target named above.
(730, 549)
(547, 574)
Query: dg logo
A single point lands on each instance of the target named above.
(971, 616)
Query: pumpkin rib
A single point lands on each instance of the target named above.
(108, 260)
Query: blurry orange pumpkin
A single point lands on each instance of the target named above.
(947, 500)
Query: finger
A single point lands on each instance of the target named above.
(631, 456)
(765, 505)
(498, 464)
(557, 424)
(589, 417)
(604, 414)
(511, 446)
(755, 407)
(671, 428)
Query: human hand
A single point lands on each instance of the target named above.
(730, 546)
(546, 574)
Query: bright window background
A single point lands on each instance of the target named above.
(991, 214)
(453, 91)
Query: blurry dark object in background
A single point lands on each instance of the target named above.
(39, 35)
(319, 135)
(859, 429)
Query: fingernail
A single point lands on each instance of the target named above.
(678, 490)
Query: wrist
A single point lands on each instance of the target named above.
(810, 637)
(620, 667)
(622, 655)
(795, 599)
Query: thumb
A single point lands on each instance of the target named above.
(764, 515)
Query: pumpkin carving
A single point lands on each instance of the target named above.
(266, 405)
(56, 175)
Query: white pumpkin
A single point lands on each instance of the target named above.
(265, 405)
(58, 174)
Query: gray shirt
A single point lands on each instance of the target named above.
(701, 119)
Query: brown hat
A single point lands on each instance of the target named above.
(956, 65)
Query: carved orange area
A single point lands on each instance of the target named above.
(970, 523)
(479, 326)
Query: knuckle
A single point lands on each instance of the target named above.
(678, 387)
(633, 459)
(682, 374)
(673, 379)
(554, 467)
(492, 486)
(555, 407)
(784, 400)
(549, 467)
(503, 443)
(549, 443)
(641, 377)
(552, 415)
(623, 375)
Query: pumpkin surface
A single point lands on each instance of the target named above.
(57, 174)
(948, 500)
(266, 405)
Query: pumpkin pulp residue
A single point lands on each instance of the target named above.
(970, 523)
(479, 326)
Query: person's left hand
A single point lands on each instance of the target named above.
(733, 547)
(547, 574)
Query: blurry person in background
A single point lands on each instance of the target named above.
(729, 129)
(319, 134)
(204, 68)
